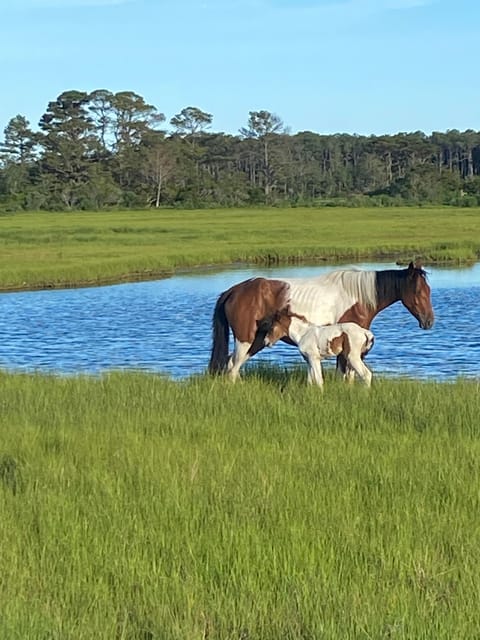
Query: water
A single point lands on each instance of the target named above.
(164, 326)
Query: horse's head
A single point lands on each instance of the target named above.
(416, 296)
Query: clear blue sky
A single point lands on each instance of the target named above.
(329, 66)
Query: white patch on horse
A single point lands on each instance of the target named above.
(324, 299)
(237, 359)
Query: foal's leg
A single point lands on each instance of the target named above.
(344, 369)
(349, 375)
(356, 365)
(315, 373)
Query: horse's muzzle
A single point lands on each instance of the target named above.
(426, 322)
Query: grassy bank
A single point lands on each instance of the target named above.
(69, 249)
(136, 507)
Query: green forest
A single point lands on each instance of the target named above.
(103, 150)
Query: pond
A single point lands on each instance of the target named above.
(165, 326)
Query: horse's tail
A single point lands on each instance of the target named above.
(220, 333)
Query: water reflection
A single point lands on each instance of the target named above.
(165, 326)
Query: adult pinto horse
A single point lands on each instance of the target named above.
(340, 296)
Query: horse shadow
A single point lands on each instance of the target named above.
(285, 378)
(275, 375)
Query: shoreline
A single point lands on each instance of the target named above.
(162, 274)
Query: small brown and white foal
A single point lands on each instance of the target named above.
(318, 342)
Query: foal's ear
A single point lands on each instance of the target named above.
(411, 269)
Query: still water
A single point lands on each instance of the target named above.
(164, 326)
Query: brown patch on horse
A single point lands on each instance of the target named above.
(343, 352)
(335, 346)
(360, 314)
(250, 302)
(297, 315)
(340, 345)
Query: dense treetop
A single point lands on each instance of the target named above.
(102, 149)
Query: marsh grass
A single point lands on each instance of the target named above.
(134, 506)
(69, 249)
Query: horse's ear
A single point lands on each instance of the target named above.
(412, 271)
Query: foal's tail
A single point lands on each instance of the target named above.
(220, 333)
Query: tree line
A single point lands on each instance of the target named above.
(112, 150)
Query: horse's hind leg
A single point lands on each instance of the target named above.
(244, 350)
(239, 356)
(341, 368)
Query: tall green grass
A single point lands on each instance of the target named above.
(136, 507)
(70, 249)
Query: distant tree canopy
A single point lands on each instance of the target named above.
(101, 149)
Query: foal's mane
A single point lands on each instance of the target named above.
(361, 285)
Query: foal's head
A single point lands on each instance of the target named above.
(416, 296)
(275, 326)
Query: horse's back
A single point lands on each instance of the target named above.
(257, 295)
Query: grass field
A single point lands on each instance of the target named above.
(137, 507)
(68, 249)
(134, 507)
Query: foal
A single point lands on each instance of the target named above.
(318, 342)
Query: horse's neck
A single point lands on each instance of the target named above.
(389, 288)
(363, 316)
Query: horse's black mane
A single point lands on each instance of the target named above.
(394, 281)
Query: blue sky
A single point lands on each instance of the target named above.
(329, 66)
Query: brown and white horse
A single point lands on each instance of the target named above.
(340, 296)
